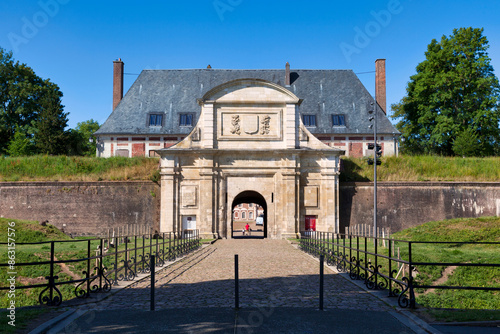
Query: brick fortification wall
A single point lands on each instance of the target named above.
(406, 204)
(86, 208)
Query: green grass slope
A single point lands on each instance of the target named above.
(29, 231)
(423, 168)
(485, 229)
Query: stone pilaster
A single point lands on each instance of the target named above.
(169, 198)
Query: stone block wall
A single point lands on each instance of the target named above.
(88, 208)
(82, 208)
(402, 205)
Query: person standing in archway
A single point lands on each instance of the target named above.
(247, 228)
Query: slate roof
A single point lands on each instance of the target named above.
(172, 92)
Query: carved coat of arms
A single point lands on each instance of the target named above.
(250, 124)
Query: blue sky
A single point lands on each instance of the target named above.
(75, 42)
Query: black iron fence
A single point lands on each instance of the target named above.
(379, 262)
(103, 262)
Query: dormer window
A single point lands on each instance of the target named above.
(186, 120)
(338, 120)
(309, 120)
(155, 119)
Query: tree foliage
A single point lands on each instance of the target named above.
(21, 145)
(32, 105)
(86, 144)
(451, 106)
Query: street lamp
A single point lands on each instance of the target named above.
(372, 111)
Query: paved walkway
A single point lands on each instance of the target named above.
(272, 273)
(279, 288)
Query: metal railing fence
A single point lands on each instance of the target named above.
(114, 261)
(366, 259)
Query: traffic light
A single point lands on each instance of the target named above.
(378, 152)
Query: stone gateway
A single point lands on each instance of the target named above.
(249, 146)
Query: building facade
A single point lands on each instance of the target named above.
(160, 109)
(247, 211)
(249, 145)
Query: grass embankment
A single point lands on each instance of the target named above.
(440, 304)
(402, 168)
(486, 229)
(25, 231)
(64, 168)
(423, 168)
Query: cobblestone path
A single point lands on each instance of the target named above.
(272, 273)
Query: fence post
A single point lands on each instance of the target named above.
(135, 253)
(152, 306)
(321, 280)
(116, 262)
(236, 284)
(143, 252)
(357, 256)
(88, 268)
(390, 267)
(350, 249)
(126, 259)
(157, 248)
(150, 244)
(51, 279)
(101, 264)
(170, 257)
(366, 259)
(163, 246)
(410, 277)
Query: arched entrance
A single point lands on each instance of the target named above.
(254, 207)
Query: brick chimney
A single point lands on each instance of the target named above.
(287, 75)
(117, 82)
(380, 90)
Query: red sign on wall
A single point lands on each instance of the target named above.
(310, 223)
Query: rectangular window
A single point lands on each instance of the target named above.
(121, 153)
(243, 215)
(250, 215)
(309, 120)
(338, 120)
(186, 120)
(155, 120)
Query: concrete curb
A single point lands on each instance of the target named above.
(43, 328)
(470, 323)
(66, 322)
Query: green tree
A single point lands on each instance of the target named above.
(30, 103)
(50, 136)
(21, 145)
(86, 144)
(454, 94)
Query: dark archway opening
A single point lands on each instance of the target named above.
(249, 207)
